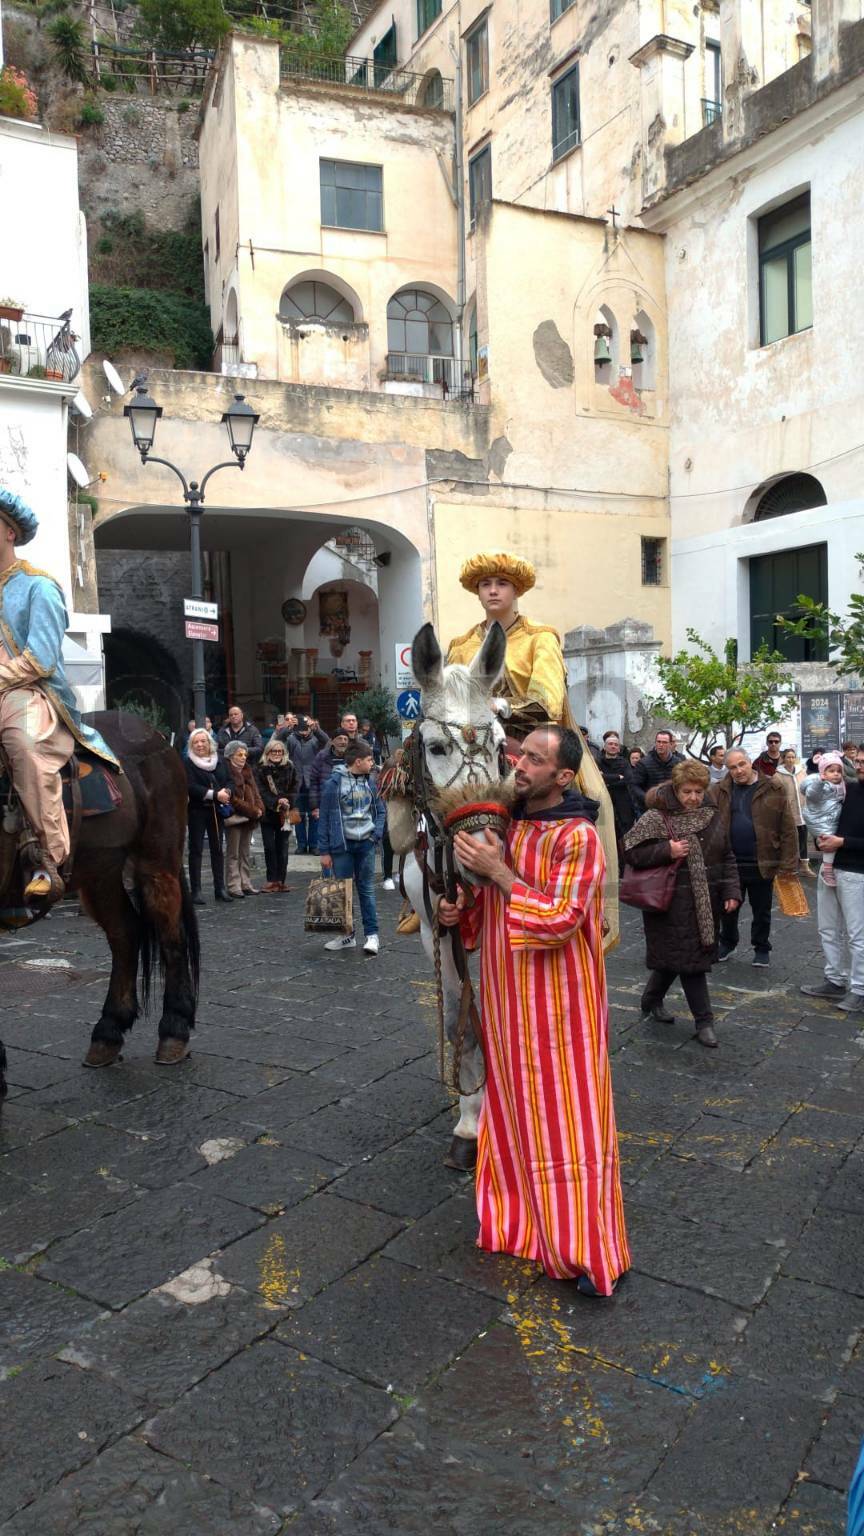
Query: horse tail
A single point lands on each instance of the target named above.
(152, 951)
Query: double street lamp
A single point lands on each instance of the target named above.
(240, 421)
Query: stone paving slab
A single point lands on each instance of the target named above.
(180, 1241)
(277, 1424)
(143, 1245)
(131, 1488)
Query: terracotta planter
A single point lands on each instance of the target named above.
(5, 365)
(8, 313)
(52, 373)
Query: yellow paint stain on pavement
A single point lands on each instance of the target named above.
(276, 1278)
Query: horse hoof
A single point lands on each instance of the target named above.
(171, 1052)
(462, 1155)
(103, 1053)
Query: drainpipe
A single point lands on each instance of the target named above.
(460, 204)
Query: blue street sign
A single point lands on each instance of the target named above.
(408, 704)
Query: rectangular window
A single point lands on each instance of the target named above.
(558, 7)
(216, 234)
(480, 181)
(384, 55)
(351, 195)
(785, 291)
(713, 71)
(652, 562)
(565, 113)
(776, 581)
(477, 46)
(427, 12)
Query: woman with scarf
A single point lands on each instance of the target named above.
(276, 778)
(682, 941)
(246, 810)
(207, 779)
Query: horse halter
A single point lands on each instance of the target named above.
(471, 742)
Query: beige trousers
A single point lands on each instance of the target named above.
(238, 870)
(37, 744)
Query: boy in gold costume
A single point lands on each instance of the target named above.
(533, 688)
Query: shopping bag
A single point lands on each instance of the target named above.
(791, 896)
(329, 906)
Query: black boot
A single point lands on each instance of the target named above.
(198, 899)
(223, 895)
(658, 1013)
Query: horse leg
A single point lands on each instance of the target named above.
(462, 1152)
(107, 902)
(169, 925)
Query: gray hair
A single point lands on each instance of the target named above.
(742, 753)
(233, 747)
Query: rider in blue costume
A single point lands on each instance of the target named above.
(39, 719)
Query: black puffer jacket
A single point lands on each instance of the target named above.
(672, 938)
(652, 770)
(617, 776)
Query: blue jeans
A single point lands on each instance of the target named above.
(307, 827)
(357, 863)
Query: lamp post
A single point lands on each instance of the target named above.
(240, 421)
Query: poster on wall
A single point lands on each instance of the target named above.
(853, 711)
(820, 722)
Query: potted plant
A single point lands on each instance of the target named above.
(11, 309)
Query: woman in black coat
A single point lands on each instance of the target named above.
(277, 782)
(683, 940)
(206, 779)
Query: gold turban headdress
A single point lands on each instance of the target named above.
(480, 567)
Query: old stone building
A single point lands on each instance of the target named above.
(442, 270)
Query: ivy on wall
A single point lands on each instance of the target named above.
(152, 321)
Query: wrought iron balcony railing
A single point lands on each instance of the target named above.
(428, 369)
(711, 110)
(369, 75)
(226, 354)
(39, 347)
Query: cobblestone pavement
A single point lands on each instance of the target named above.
(241, 1296)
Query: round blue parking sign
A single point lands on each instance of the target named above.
(408, 704)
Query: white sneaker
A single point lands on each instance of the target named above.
(372, 945)
(389, 885)
(344, 941)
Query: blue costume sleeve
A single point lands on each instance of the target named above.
(46, 627)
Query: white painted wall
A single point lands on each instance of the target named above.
(45, 265)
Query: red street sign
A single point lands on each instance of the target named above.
(198, 631)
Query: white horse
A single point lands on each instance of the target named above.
(460, 758)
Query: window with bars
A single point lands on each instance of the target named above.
(477, 48)
(352, 195)
(785, 284)
(479, 181)
(565, 113)
(652, 562)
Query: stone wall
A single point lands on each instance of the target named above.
(144, 156)
(143, 591)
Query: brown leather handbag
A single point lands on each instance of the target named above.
(652, 889)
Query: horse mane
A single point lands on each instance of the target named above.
(460, 690)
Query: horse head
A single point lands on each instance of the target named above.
(461, 740)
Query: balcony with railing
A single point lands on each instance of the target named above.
(38, 346)
(418, 368)
(711, 111)
(357, 74)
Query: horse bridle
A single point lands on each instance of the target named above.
(470, 743)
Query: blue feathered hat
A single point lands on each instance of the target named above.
(17, 512)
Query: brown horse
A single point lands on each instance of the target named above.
(156, 924)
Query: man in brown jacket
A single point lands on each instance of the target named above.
(764, 838)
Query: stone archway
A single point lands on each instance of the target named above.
(141, 674)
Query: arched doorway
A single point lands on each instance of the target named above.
(142, 675)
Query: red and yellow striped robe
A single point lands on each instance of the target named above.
(548, 1181)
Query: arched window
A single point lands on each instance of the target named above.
(311, 300)
(795, 493)
(432, 94)
(419, 325)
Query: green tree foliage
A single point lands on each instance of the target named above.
(714, 699)
(70, 48)
(844, 637)
(151, 321)
(171, 258)
(181, 24)
(376, 704)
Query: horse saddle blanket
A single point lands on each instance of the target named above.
(99, 791)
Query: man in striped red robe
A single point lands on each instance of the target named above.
(548, 1180)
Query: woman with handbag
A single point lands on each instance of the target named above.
(246, 810)
(679, 854)
(276, 778)
(206, 778)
